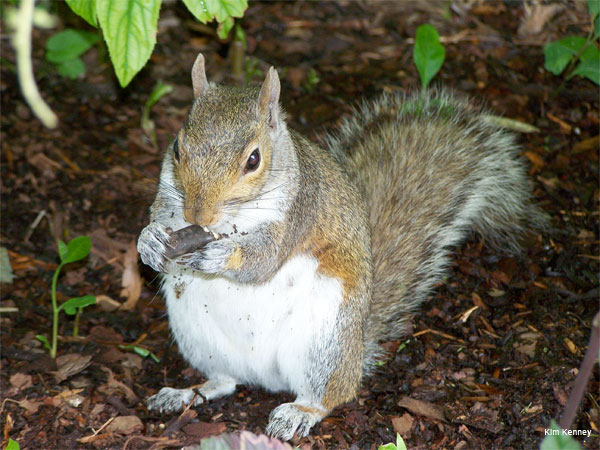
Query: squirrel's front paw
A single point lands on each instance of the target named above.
(152, 246)
(216, 257)
(169, 400)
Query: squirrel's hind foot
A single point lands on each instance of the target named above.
(290, 418)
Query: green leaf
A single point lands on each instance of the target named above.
(6, 273)
(590, 68)
(44, 340)
(224, 28)
(559, 53)
(77, 249)
(594, 8)
(207, 10)
(86, 9)
(400, 445)
(129, 28)
(557, 440)
(73, 304)
(428, 53)
(12, 445)
(159, 91)
(62, 249)
(73, 68)
(69, 44)
(144, 353)
(390, 446)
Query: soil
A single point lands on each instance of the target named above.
(494, 353)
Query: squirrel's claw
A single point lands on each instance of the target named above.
(169, 400)
(214, 258)
(290, 418)
(152, 246)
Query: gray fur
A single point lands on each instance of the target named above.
(432, 168)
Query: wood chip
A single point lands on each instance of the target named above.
(422, 408)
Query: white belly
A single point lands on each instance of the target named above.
(256, 334)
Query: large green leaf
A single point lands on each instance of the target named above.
(71, 305)
(85, 9)
(559, 53)
(428, 53)
(207, 10)
(69, 44)
(129, 28)
(77, 249)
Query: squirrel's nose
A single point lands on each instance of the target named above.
(202, 217)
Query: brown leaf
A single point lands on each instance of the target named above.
(106, 303)
(131, 281)
(403, 424)
(30, 406)
(21, 381)
(125, 425)
(70, 364)
(114, 386)
(201, 430)
(422, 408)
(534, 22)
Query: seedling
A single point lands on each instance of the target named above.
(159, 91)
(579, 54)
(144, 353)
(428, 53)
(399, 445)
(557, 440)
(75, 250)
(65, 48)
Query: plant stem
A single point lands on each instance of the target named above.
(22, 45)
(76, 323)
(55, 311)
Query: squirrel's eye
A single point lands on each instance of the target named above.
(176, 149)
(253, 161)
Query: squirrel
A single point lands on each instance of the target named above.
(328, 251)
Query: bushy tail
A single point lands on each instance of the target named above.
(431, 168)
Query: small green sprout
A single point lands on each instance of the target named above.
(144, 353)
(428, 53)
(12, 445)
(159, 91)
(74, 251)
(399, 445)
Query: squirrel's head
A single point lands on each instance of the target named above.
(223, 155)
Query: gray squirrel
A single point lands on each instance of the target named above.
(329, 251)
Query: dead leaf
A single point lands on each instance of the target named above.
(526, 342)
(106, 303)
(422, 408)
(131, 281)
(70, 364)
(114, 386)
(30, 406)
(201, 430)
(537, 17)
(403, 424)
(21, 381)
(125, 425)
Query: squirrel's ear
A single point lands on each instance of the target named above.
(199, 81)
(268, 99)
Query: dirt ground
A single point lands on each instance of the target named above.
(494, 352)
